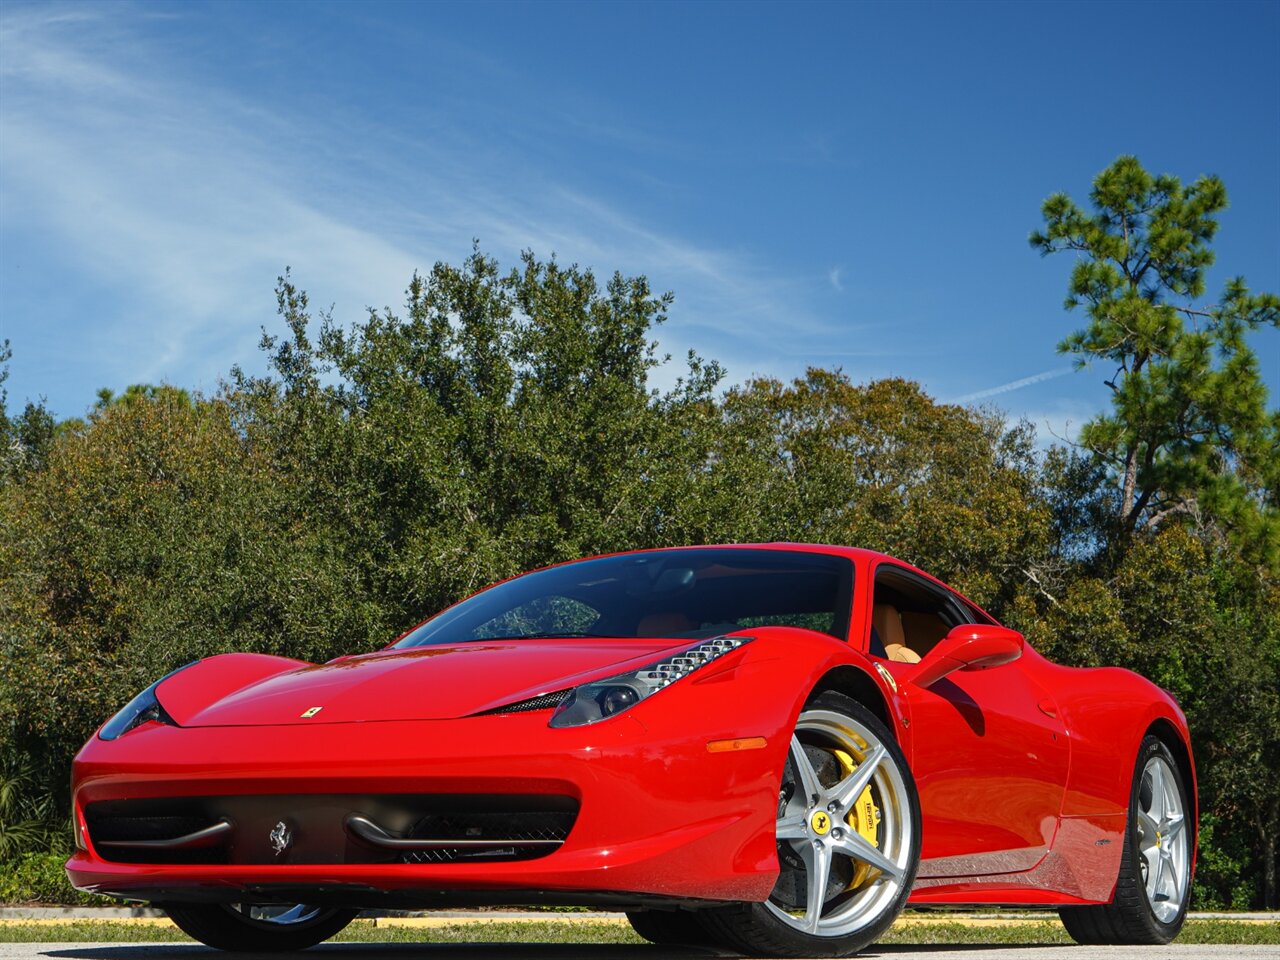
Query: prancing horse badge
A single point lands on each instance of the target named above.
(281, 838)
(310, 712)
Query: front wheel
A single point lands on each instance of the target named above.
(669, 928)
(848, 834)
(258, 927)
(1150, 903)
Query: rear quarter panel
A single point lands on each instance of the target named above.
(1107, 711)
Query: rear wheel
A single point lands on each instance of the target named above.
(247, 927)
(848, 833)
(1150, 903)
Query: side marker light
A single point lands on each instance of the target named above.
(732, 746)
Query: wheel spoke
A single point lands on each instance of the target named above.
(1158, 806)
(1172, 827)
(1151, 854)
(817, 862)
(854, 845)
(792, 828)
(1171, 874)
(847, 791)
(1147, 827)
(1157, 867)
(807, 779)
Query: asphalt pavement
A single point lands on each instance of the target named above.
(557, 951)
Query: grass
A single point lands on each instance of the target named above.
(364, 931)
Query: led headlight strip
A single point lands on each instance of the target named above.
(606, 698)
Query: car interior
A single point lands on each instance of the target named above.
(909, 615)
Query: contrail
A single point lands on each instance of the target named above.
(1014, 385)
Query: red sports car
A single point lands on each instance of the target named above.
(772, 748)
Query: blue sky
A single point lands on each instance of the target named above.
(835, 185)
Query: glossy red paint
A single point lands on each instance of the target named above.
(1023, 768)
(463, 679)
(970, 647)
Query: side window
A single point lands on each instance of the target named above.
(910, 615)
(563, 616)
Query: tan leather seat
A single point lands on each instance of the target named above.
(888, 625)
(924, 629)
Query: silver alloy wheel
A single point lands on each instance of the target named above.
(1162, 839)
(812, 821)
(276, 914)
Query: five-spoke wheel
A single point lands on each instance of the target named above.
(848, 833)
(1150, 902)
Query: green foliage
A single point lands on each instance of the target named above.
(885, 467)
(1189, 432)
(40, 878)
(1173, 520)
(27, 814)
(504, 420)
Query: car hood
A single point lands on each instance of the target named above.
(425, 683)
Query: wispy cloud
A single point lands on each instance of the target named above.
(1013, 385)
(187, 199)
(833, 276)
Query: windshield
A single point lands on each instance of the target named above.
(685, 593)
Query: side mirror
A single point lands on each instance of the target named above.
(970, 646)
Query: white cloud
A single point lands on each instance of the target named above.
(833, 276)
(187, 201)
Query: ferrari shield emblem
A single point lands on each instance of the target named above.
(310, 712)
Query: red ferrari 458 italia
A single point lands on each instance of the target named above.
(770, 748)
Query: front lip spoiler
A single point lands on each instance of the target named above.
(207, 837)
(365, 830)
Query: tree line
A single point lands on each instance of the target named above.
(503, 420)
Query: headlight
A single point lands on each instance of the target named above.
(606, 698)
(145, 706)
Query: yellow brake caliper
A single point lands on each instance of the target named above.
(864, 817)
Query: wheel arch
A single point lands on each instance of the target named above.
(860, 686)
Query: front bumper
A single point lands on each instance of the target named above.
(659, 815)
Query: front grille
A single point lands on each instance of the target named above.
(113, 835)
(317, 828)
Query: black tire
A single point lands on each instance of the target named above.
(758, 930)
(228, 928)
(1130, 917)
(670, 928)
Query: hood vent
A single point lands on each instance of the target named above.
(545, 701)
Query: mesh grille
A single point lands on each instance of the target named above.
(506, 828)
(544, 702)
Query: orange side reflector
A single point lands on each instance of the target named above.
(743, 743)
